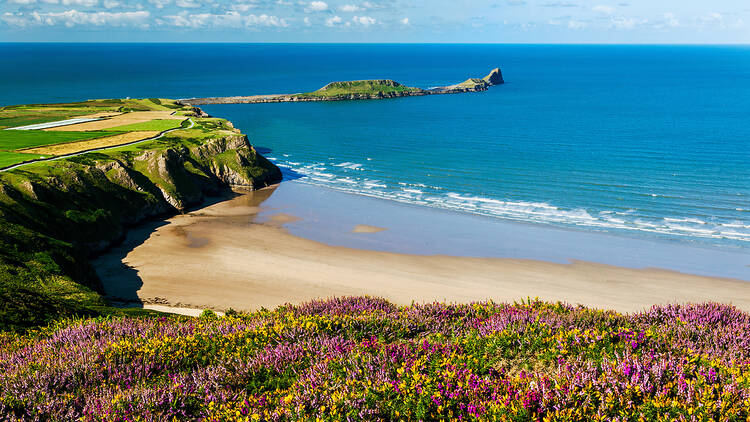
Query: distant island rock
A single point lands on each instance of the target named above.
(370, 89)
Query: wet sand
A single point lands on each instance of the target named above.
(232, 255)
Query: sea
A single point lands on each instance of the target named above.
(646, 142)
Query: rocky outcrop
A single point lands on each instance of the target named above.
(495, 77)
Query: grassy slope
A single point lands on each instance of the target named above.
(53, 213)
(366, 87)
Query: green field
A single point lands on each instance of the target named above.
(32, 117)
(11, 140)
(154, 125)
(22, 115)
(10, 158)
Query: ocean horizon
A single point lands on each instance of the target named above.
(646, 141)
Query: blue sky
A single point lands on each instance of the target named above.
(494, 21)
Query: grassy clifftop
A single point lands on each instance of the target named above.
(54, 214)
(364, 88)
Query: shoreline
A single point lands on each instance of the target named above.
(432, 202)
(490, 236)
(245, 253)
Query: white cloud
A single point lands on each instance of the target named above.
(350, 8)
(333, 21)
(606, 10)
(71, 18)
(404, 21)
(306, 21)
(13, 19)
(574, 24)
(317, 6)
(84, 3)
(230, 19)
(671, 20)
(364, 20)
(242, 7)
(111, 4)
(188, 4)
(713, 17)
(160, 3)
(622, 22)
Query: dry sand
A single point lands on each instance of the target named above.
(78, 146)
(119, 120)
(220, 257)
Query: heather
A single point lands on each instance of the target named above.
(364, 358)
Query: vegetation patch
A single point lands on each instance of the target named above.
(363, 88)
(363, 358)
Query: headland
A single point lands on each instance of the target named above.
(78, 175)
(371, 89)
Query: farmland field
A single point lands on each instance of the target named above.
(10, 158)
(158, 125)
(129, 118)
(22, 115)
(20, 139)
(119, 122)
(108, 141)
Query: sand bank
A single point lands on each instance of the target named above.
(223, 257)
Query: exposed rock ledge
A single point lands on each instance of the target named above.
(379, 89)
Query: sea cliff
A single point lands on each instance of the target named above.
(54, 215)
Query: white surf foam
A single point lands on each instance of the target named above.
(528, 211)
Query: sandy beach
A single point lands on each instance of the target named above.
(226, 256)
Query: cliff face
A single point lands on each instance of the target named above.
(495, 77)
(54, 215)
(129, 188)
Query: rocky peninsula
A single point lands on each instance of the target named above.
(372, 89)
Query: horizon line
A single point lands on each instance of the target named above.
(381, 43)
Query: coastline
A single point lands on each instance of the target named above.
(245, 253)
(380, 89)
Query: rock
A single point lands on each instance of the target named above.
(495, 77)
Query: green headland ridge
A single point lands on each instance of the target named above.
(371, 89)
(55, 215)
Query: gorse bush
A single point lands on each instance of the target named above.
(367, 359)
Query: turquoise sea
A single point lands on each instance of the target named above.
(637, 141)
